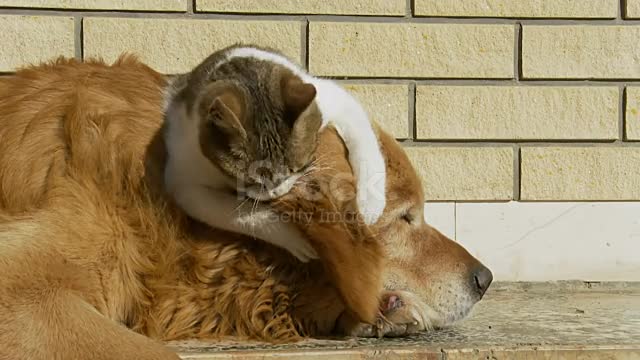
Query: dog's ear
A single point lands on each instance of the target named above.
(354, 259)
(352, 256)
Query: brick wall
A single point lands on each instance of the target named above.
(495, 100)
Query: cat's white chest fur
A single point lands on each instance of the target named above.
(186, 162)
(343, 111)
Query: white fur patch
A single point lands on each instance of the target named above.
(276, 192)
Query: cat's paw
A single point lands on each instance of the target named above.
(302, 250)
(294, 241)
(399, 315)
(370, 190)
(265, 225)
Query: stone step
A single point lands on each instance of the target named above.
(562, 320)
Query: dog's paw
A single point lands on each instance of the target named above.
(399, 315)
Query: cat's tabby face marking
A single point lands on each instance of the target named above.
(258, 122)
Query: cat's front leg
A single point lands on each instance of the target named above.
(223, 210)
(365, 157)
(266, 224)
(370, 173)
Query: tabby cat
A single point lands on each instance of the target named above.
(247, 120)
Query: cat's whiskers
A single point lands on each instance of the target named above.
(319, 159)
(303, 177)
(311, 170)
(255, 202)
(316, 164)
(237, 209)
(254, 206)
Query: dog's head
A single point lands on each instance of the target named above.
(447, 280)
(401, 251)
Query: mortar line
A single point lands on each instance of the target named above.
(451, 201)
(520, 143)
(622, 9)
(78, 46)
(487, 81)
(94, 12)
(150, 14)
(622, 113)
(455, 220)
(389, 81)
(517, 71)
(304, 45)
(191, 7)
(517, 161)
(554, 201)
(413, 128)
(409, 9)
(474, 82)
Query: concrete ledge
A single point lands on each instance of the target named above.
(421, 353)
(564, 320)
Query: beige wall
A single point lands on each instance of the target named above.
(497, 100)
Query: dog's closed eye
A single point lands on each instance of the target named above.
(408, 218)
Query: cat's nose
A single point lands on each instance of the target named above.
(264, 173)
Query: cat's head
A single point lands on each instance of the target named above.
(258, 123)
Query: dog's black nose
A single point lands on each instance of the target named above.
(482, 278)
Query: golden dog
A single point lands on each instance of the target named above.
(96, 263)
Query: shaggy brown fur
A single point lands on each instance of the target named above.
(92, 255)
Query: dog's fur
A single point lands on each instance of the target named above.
(93, 256)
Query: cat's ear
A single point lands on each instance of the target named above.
(305, 120)
(223, 111)
(296, 96)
